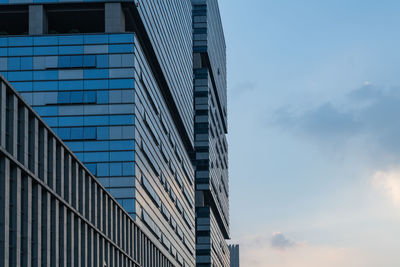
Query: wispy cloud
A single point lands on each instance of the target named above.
(280, 242)
(389, 182)
(369, 112)
(277, 250)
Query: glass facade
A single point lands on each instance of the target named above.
(211, 156)
(99, 94)
(82, 88)
(114, 80)
(53, 211)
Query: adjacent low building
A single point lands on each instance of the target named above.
(234, 252)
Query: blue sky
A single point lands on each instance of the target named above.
(314, 105)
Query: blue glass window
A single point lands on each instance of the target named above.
(64, 133)
(23, 86)
(96, 84)
(47, 111)
(89, 61)
(64, 97)
(70, 74)
(75, 146)
(96, 120)
(77, 97)
(20, 41)
(121, 83)
(128, 61)
(122, 156)
(26, 63)
(65, 50)
(121, 38)
(45, 86)
(90, 133)
(121, 48)
(116, 169)
(102, 61)
(77, 133)
(122, 145)
(90, 97)
(39, 63)
(102, 133)
(20, 51)
(45, 40)
(96, 145)
(96, 39)
(80, 156)
(64, 61)
(3, 63)
(128, 96)
(51, 62)
(129, 205)
(76, 61)
(122, 192)
(45, 75)
(45, 50)
(102, 97)
(128, 168)
(71, 85)
(20, 76)
(121, 73)
(103, 169)
(70, 121)
(96, 156)
(71, 39)
(51, 121)
(95, 73)
(14, 63)
(96, 49)
(121, 119)
(92, 168)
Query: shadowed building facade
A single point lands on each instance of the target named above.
(211, 156)
(114, 80)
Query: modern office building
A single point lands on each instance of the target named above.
(114, 80)
(210, 160)
(234, 252)
(53, 211)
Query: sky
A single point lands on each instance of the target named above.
(314, 131)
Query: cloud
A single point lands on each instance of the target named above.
(369, 113)
(389, 182)
(265, 250)
(280, 242)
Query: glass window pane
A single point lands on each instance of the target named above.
(64, 61)
(64, 97)
(102, 97)
(76, 61)
(90, 97)
(77, 97)
(116, 169)
(90, 132)
(77, 133)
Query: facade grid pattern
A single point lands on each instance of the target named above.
(53, 211)
(211, 149)
(98, 93)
